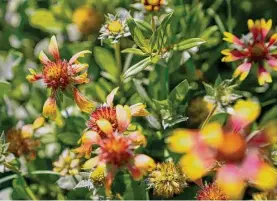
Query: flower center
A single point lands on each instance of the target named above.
(115, 26)
(56, 75)
(258, 51)
(233, 148)
(103, 112)
(116, 151)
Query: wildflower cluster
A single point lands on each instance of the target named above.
(108, 130)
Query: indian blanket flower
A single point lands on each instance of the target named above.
(167, 180)
(108, 114)
(232, 151)
(87, 19)
(254, 50)
(67, 164)
(60, 75)
(118, 152)
(152, 5)
(211, 192)
(114, 28)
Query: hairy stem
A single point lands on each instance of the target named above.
(118, 55)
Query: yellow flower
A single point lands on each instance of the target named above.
(87, 19)
(167, 180)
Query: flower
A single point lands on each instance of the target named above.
(167, 180)
(60, 75)
(117, 151)
(114, 28)
(254, 50)
(114, 116)
(152, 5)
(211, 192)
(20, 145)
(231, 151)
(67, 164)
(87, 19)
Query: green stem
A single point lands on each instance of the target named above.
(153, 23)
(118, 55)
(209, 116)
(230, 27)
(10, 177)
(26, 187)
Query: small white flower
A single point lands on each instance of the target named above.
(114, 28)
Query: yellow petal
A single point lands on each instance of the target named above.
(50, 108)
(105, 126)
(38, 122)
(212, 134)
(181, 141)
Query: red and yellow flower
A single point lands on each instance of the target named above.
(231, 150)
(108, 118)
(152, 5)
(115, 152)
(61, 75)
(254, 50)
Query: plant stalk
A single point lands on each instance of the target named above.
(118, 55)
(209, 116)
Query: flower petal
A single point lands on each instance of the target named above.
(230, 180)
(138, 138)
(181, 140)
(263, 76)
(91, 163)
(242, 71)
(212, 134)
(273, 62)
(233, 55)
(81, 79)
(53, 48)
(266, 178)
(38, 122)
(272, 39)
(232, 39)
(196, 166)
(144, 163)
(123, 116)
(43, 58)
(79, 67)
(77, 55)
(105, 126)
(83, 103)
(27, 131)
(50, 108)
(139, 110)
(110, 97)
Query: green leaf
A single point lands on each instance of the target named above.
(209, 89)
(4, 88)
(134, 51)
(142, 92)
(208, 32)
(69, 138)
(178, 94)
(19, 187)
(188, 44)
(138, 36)
(218, 81)
(45, 20)
(134, 190)
(269, 115)
(220, 118)
(138, 67)
(106, 61)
